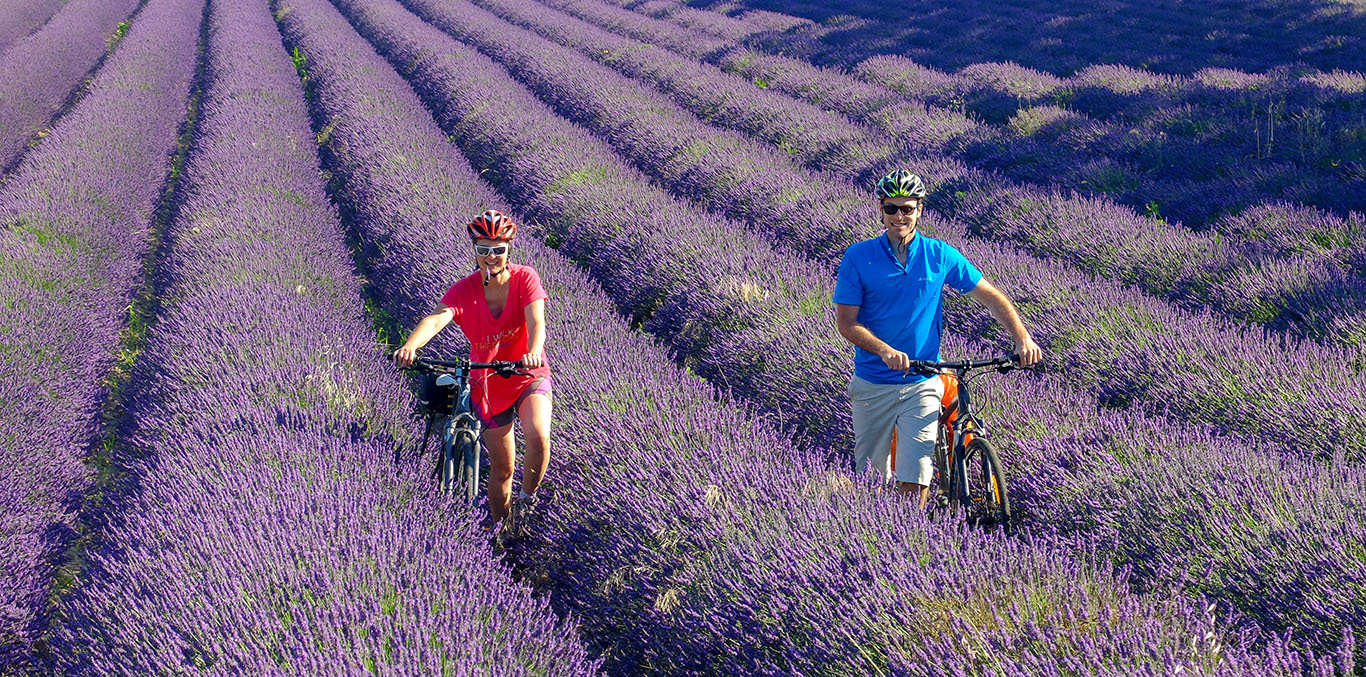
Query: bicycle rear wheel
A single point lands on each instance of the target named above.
(989, 499)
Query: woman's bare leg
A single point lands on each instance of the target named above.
(499, 443)
(535, 415)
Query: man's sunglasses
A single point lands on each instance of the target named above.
(494, 250)
(904, 209)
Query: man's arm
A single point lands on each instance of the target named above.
(846, 320)
(1004, 311)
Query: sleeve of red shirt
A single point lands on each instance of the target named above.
(532, 290)
(452, 299)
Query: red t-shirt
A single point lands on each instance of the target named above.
(496, 338)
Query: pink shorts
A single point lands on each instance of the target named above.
(540, 386)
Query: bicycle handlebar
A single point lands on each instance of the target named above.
(1003, 363)
(503, 368)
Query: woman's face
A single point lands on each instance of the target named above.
(494, 256)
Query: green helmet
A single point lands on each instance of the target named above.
(901, 183)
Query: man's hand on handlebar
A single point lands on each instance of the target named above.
(896, 360)
(404, 356)
(1030, 353)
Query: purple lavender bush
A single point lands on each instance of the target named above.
(1070, 315)
(655, 528)
(989, 200)
(264, 528)
(1061, 37)
(18, 18)
(1196, 154)
(39, 73)
(75, 222)
(768, 338)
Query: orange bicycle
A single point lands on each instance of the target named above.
(968, 474)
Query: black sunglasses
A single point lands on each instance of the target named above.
(904, 209)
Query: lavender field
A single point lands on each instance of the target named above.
(218, 216)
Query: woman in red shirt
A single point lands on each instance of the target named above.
(501, 309)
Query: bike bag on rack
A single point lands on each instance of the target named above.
(435, 399)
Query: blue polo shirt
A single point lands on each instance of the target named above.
(902, 305)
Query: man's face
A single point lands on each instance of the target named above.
(493, 262)
(901, 223)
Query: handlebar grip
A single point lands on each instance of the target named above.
(923, 366)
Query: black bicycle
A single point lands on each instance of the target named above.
(445, 397)
(967, 469)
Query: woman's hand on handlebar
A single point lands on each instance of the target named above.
(532, 361)
(404, 356)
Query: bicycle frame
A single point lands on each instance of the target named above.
(458, 464)
(961, 428)
(957, 447)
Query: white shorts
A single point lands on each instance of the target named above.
(912, 410)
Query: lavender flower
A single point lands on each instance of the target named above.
(75, 219)
(264, 528)
(700, 541)
(39, 72)
(769, 338)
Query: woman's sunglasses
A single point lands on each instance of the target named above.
(904, 209)
(493, 250)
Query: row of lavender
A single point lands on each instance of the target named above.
(75, 226)
(701, 541)
(1061, 37)
(726, 171)
(925, 133)
(39, 73)
(998, 90)
(1192, 148)
(22, 17)
(263, 528)
(759, 325)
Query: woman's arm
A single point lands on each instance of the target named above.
(535, 332)
(428, 328)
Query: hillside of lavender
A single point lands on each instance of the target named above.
(218, 217)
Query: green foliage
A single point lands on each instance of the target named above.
(592, 174)
(788, 195)
(694, 150)
(1152, 211)
(300, 63)
(1110, 179)
(119, 31)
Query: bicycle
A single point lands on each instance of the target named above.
(445, 395)
(967, 470)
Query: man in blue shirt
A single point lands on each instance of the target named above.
(889, 304)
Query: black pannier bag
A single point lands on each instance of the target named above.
(435, 399)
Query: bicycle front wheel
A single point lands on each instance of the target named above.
(446, 464)
(466, 457)
(943, 454)
(989, 500)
